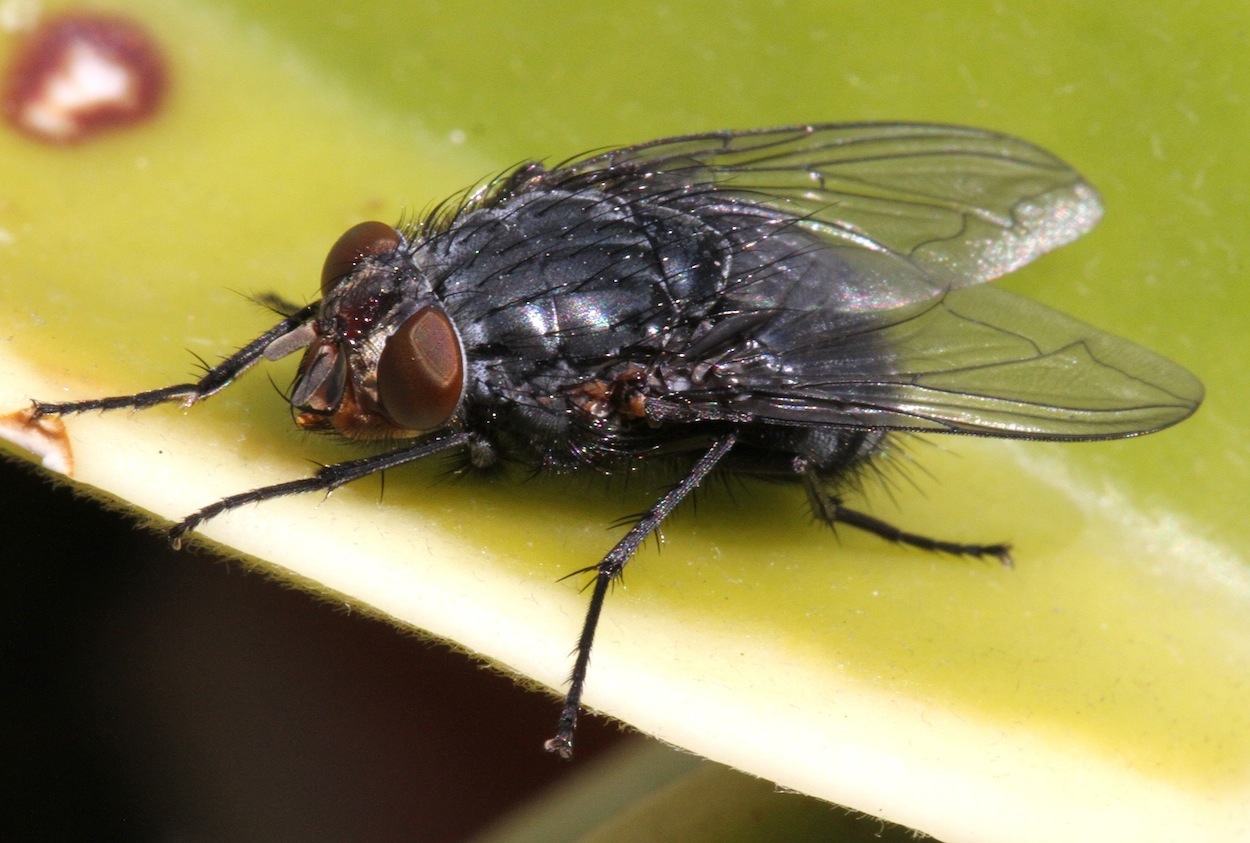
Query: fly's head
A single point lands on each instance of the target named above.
(382, 358)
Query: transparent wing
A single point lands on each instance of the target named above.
(881, 325)
(980, 361)
(932, 207)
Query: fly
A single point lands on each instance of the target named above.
(771, 303)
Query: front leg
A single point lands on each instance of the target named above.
(326, 479)
(214, 380)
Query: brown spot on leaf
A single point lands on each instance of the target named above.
(44, 437)
(81, 73)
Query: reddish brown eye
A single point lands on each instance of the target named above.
(361, 241)
(421, 371)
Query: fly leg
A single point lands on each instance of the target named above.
(608, 570)
(326, 479)
(214, 380)
(830, 510)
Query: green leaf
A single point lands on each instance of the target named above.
(1095, 692)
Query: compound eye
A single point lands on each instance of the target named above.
(363, 240)
(421, 371)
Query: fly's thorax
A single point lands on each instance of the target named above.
(579, 275)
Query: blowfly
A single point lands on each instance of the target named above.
(772, 303)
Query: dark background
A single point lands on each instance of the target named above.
(152, 694)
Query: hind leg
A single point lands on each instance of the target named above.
(829, 509)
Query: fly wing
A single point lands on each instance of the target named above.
(927, 208)
(851, 294)
(981, 361)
